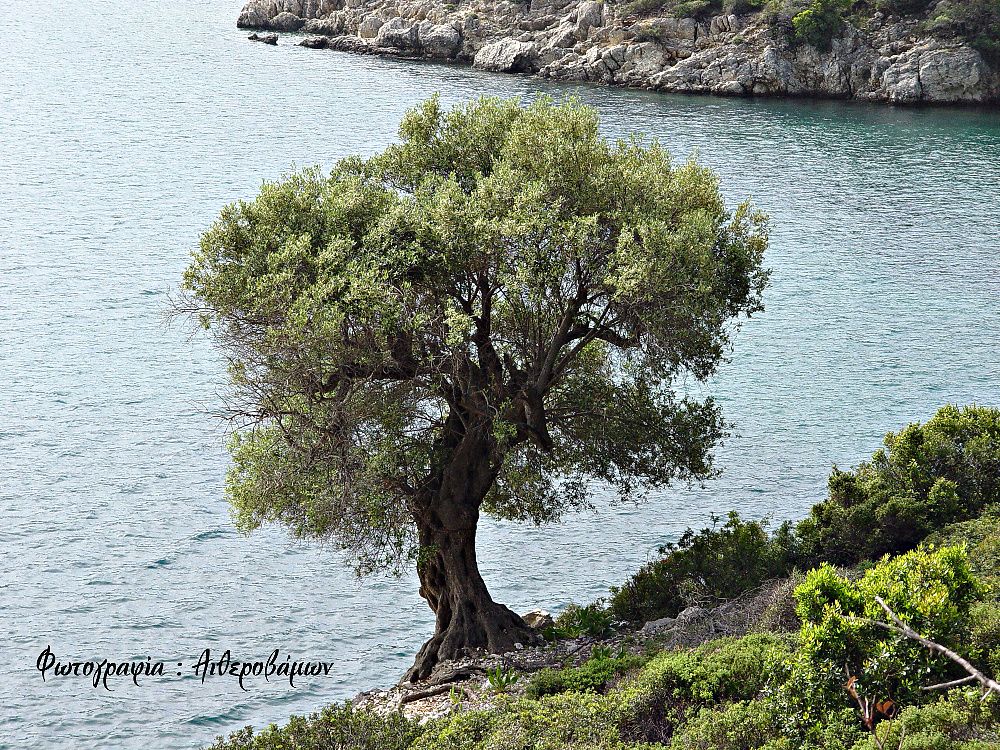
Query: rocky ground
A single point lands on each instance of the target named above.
(465, 684)
(588, 40)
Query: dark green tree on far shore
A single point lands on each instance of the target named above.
(485, 318)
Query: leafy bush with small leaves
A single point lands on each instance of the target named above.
(337, 726)
(932, 590)
(704, 567)
(981, 537)
(978, 21)
(901, 7)
(820, 23)
(590, 677)
(744, 724)
(698, 9)
(581, 721)
(673, 683)
(984, 644)
(762, 724)
(928, 475)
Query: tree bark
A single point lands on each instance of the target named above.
(467, 618)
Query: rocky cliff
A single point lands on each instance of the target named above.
(588, 40)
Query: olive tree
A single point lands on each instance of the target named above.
(488, 317)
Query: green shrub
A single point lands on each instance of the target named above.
(737, 726)
(459, 731)
(554, 722)
(901, 7)
(928, 475)
(709, 566)
(657, 699)
(589, 677)
(984, 644)
(819, 24)
(931, 590)
(700, 9)
(694, 8)
(981, 536)
(978, 21)
(337, 726)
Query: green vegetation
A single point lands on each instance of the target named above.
(775, 692)
(819, 22)
(501, 680)
(590, 677)
(487, 317)
(707, 567)
(975, 20)
(576, 620)
(931, 590)
(843, 679)
(927, 476)
(334, 727)
(699, 9)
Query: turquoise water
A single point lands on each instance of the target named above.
(125, 126)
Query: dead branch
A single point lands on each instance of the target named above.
(903, 629)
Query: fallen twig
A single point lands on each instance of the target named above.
(430, 693)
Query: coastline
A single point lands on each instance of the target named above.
(891, 61)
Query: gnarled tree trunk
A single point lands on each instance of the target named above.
(467, 618)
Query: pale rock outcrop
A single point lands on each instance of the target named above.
(538, 619)
(589, 15)
(508, 56)
(286, 21)
(591, 40)
(398, 33)
(440, 40)
(332, 26)
(369, 27)
(315, 42)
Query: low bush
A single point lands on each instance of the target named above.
(590, 677)
(901, 7)
(981, 537)
(583, 721)
(941, 477)
(703, 567)
(674, 684)
(928, 475)
(842, 647)
(978, 21)
(819, 24)
(960, 720)
(697, 9)
(744, 724)
(334, 727)
(984, 642)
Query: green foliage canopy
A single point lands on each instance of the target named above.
(504, 270)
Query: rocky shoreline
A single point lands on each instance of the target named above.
(465, 685)
(589, 40)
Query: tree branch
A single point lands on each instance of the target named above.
(903, 629)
